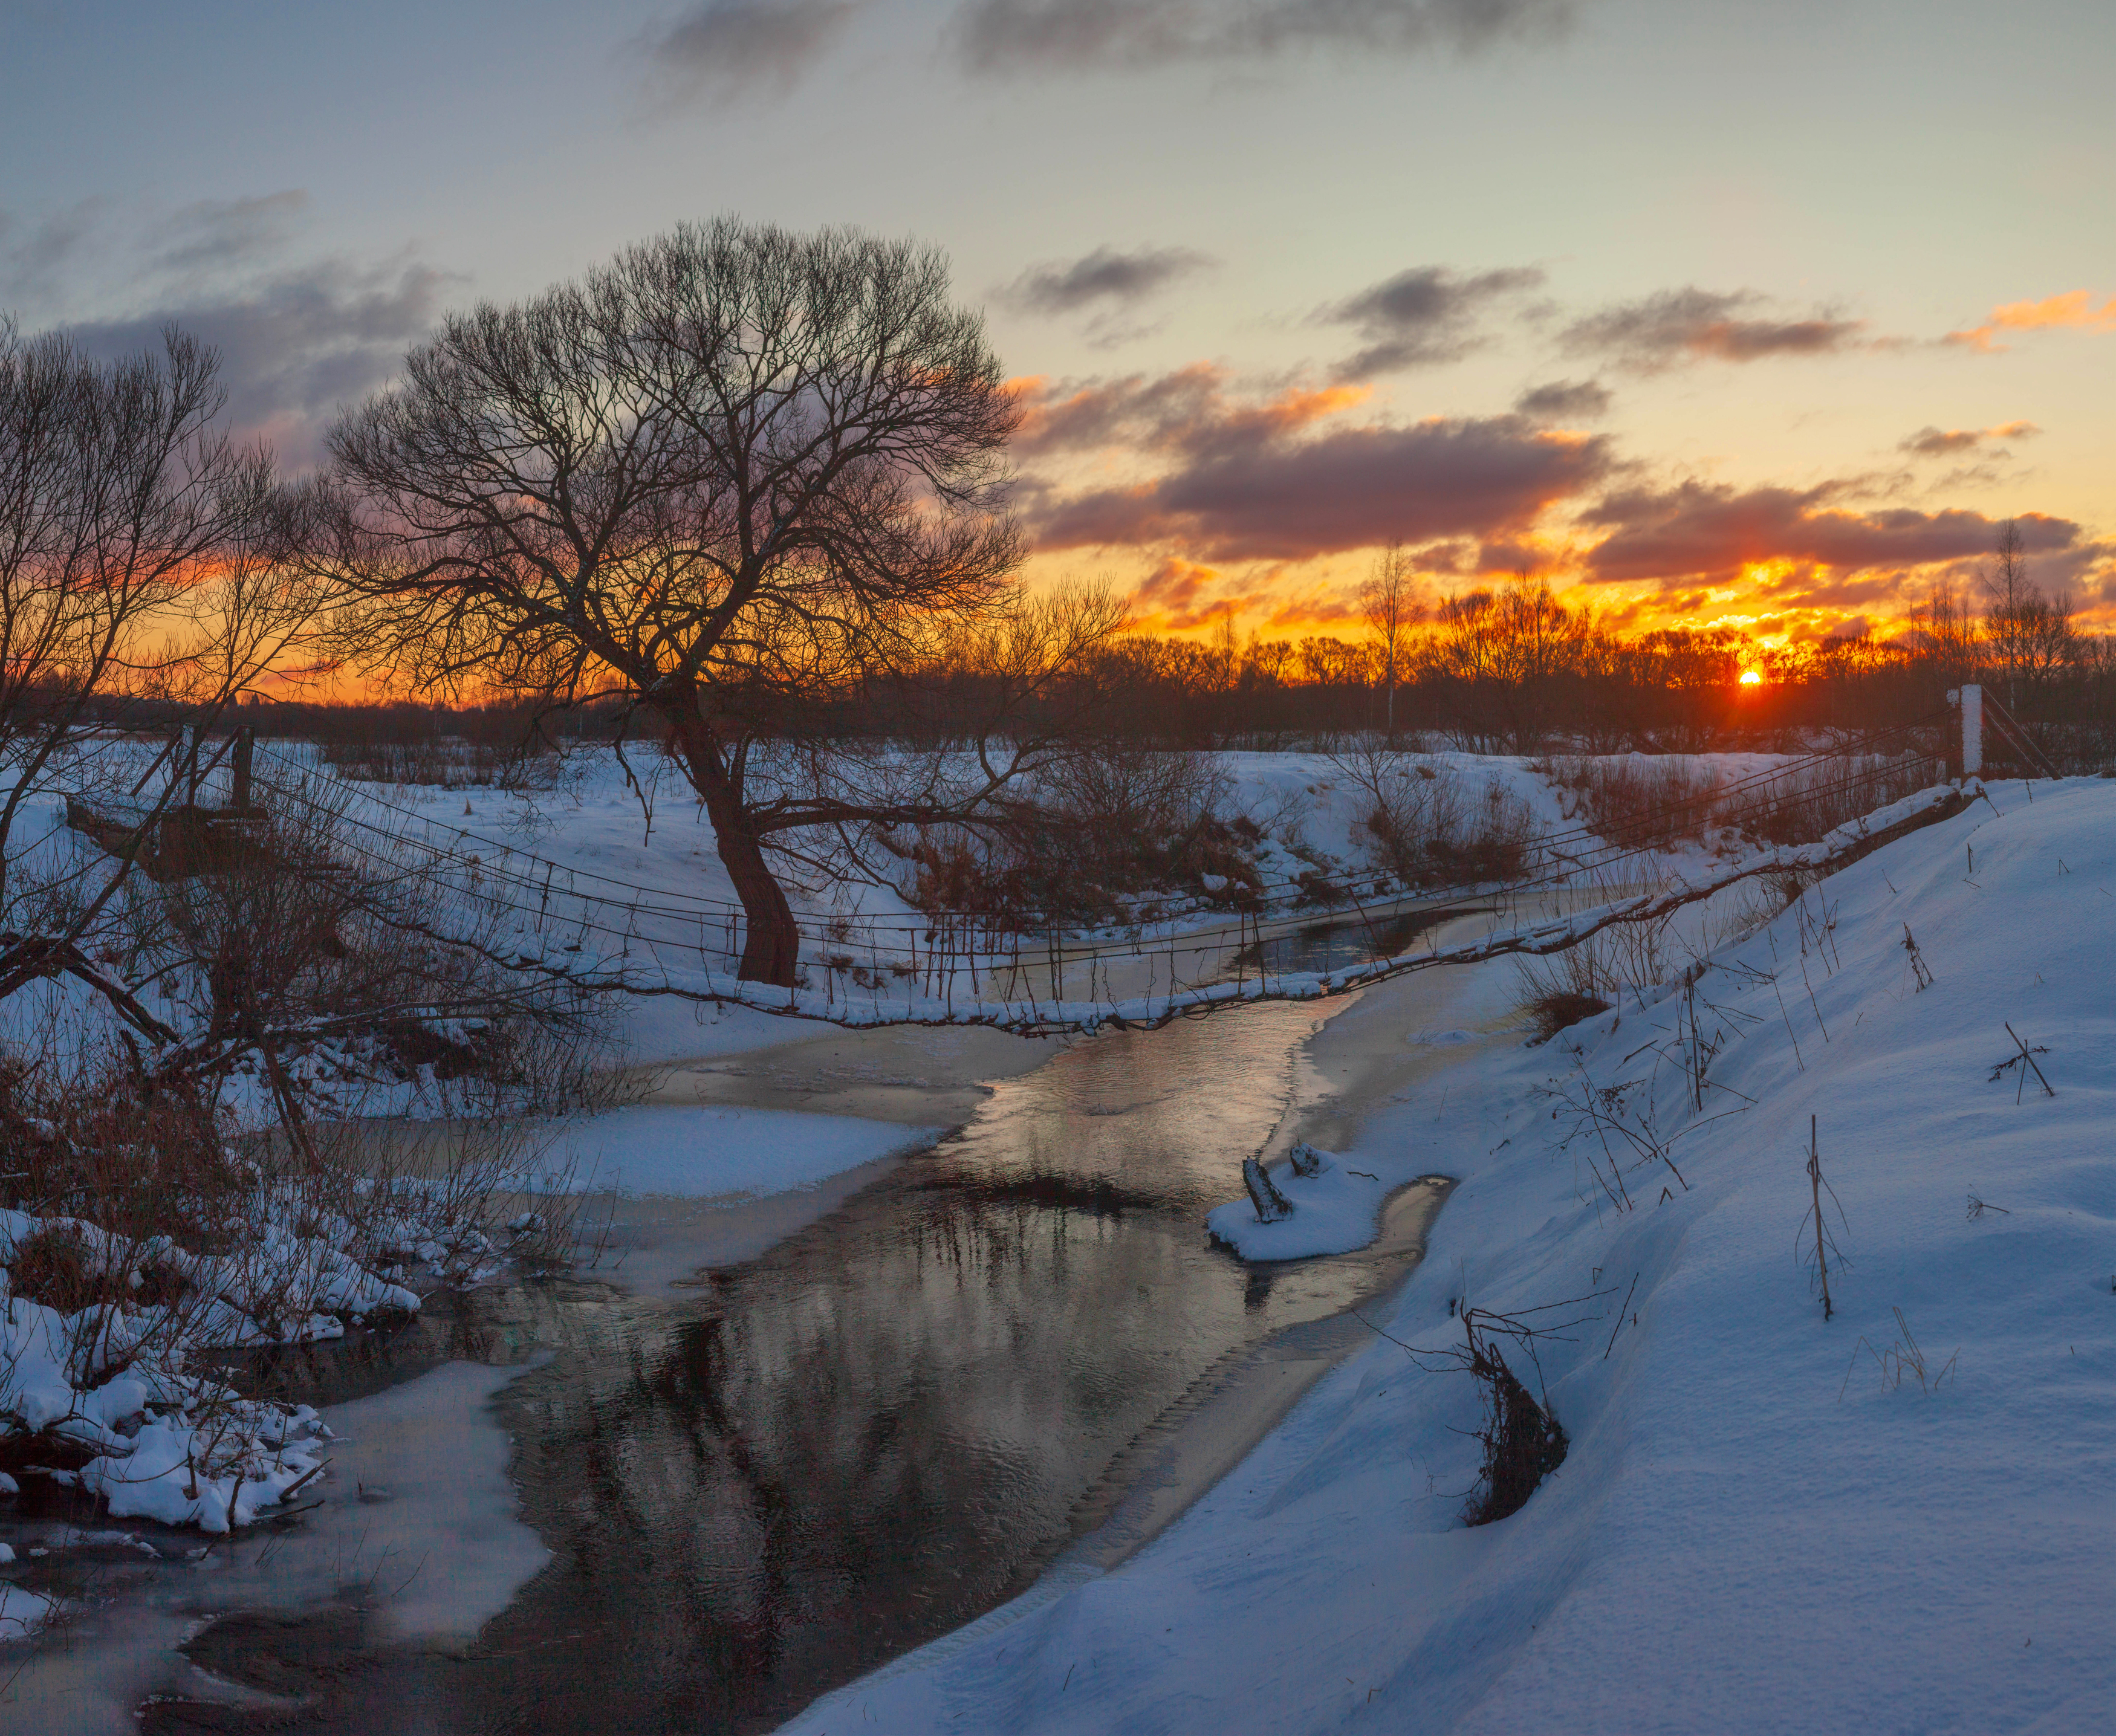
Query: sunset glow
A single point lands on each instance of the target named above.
(1256, 342)
(1752, 677)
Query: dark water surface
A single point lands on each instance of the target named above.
(1331, 942)
(881, 1428)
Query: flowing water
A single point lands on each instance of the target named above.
(884, 1425)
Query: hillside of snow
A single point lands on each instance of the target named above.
(613, 871)
(1895, 1519)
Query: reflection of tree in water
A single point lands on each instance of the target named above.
(863, 1442)
(886, 1424)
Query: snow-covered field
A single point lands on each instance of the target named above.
(1895, 1519)
(1764, 1521)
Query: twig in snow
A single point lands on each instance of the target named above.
(1621, 1313)
(1918, 969)
(2026, 1055)
(1903, 1357)
(1825, 1244)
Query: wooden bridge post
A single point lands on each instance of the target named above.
(246, 740)
(1966, 751)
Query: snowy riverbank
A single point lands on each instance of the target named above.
(1765, 1521)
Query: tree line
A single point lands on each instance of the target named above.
(1518, 668)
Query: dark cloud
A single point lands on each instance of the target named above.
(1102, 279)
(1253, 484)
(1564, 401)
(1684, 325)
(1697, 533)
(733, 48)
(1188, 412)
(1151, 414)
(1423, 316)
(296, 346)
(1081, 36)
(1947, 443)
(1940, 443)
(217, 234)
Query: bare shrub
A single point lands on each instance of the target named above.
(1661, 800)
(1098, 830)
(1430, 825)
(1637, 798)
(1563, 988)
(1798, 807)
(51, 1268)
(1551, 1010)
(311, 963)
(444, 764)
(1521, 1438)
(1522, 1441)
(166, 1202)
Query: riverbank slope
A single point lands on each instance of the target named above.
(1890, 1519)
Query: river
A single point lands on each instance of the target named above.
(1017, 1343)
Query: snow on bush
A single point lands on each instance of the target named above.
(108, 1395)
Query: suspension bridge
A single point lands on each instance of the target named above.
(1318, 935)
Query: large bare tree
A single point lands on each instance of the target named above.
(729, 477)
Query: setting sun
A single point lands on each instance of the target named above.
(1752, 677)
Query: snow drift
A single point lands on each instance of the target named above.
(1892, 1520)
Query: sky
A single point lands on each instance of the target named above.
(1747, 314)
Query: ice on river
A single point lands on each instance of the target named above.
(709, 1151)
(420, 1523)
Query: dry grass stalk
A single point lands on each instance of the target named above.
(1902, 1360)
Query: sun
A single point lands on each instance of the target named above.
(1752, 677)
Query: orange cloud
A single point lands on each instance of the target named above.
(1177, 594)
(2074, 310)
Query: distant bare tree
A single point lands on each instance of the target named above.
(729, 478)
(1390, 603)
(137, 562)
(1508, 651)
(1945, 630)
(2029, 632)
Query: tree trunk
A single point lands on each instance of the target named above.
(771, 947)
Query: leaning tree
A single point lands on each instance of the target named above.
(730, 479)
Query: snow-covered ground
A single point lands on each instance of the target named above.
(1895, 1519)
(1508, 1234)
(581, 878)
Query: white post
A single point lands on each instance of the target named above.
(1972, 732)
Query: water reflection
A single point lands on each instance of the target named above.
(888, 1423)
(1333, 943)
